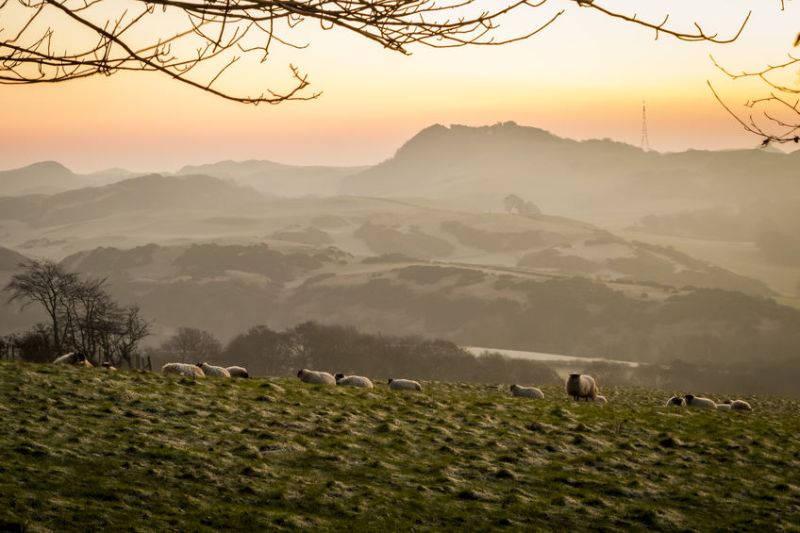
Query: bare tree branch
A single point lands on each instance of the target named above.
(38, 43)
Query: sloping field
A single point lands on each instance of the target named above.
(88, 450)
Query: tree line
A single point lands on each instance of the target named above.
(82, 317)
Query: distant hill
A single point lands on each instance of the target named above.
(46, 177)
(9, 259)
(51, 177)
(229, 288)
(593, 180)
(276, 178)
(134, 195)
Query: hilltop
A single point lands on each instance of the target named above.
(131, 449)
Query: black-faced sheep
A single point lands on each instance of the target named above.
(238, 372)
(108, 366)
(676, 401)
(183, 369)
(353, 381)
(404, 384)
(581, 386)
(214, 371)
(699, 403)
(73, 358)
(316, 378)
(527, 392)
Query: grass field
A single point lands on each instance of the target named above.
(85, 450)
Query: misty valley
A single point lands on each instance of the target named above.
(655, 273)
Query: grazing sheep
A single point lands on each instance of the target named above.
(214, 371)
(73, 358)
(316, 378)
(353, 381)
(600, 399)
(527, 392)
(238, 372)
(737, 405)
(183, 369)
(404, 384)
(676, 401)
(108, 366)
(701, 403)
(582, 386)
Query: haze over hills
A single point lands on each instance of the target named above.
(226, 289)
(277, 178)
(596, 180)
(201, 209)
(50, 177)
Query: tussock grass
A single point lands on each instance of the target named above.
(89, 450)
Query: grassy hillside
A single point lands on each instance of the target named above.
(88, 450)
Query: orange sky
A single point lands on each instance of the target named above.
(584, 77)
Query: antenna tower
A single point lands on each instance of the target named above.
(645, 138)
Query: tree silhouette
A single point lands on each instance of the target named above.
(48, 41)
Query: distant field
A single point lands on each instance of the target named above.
(86, 450)
(741, 257)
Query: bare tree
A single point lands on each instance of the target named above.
(46, 41)
(192, 342)
(47, 283)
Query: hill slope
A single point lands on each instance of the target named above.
(122, 450)
(597, 180)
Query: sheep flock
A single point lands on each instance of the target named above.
(578, 387)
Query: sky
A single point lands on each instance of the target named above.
(583, 77)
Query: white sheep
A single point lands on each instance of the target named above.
(737, 405)
(700, 403)
(600, 399)
(527, 392)
(316, 378)
(582, 386)
(353, 381)
(73, 358)
(404, 384)
(238, 372)
(676, 401)
(183, 369)
(214, 371)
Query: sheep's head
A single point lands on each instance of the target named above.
(301, 372)
(201, 365)
(689, 398)
(727, 402)
(390, 381)
(338, 376)
(513, 387)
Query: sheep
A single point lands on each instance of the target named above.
(73, 358)
(353, 381)
(582, 386)
(527, 392)
(316, 378)
(404, 384)
(737, 405)
(108, 366)
(701, 403)
(238, 372)
(600, 399)
(214, 371)
(724, 406)
(676, 401)
(183, 369)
